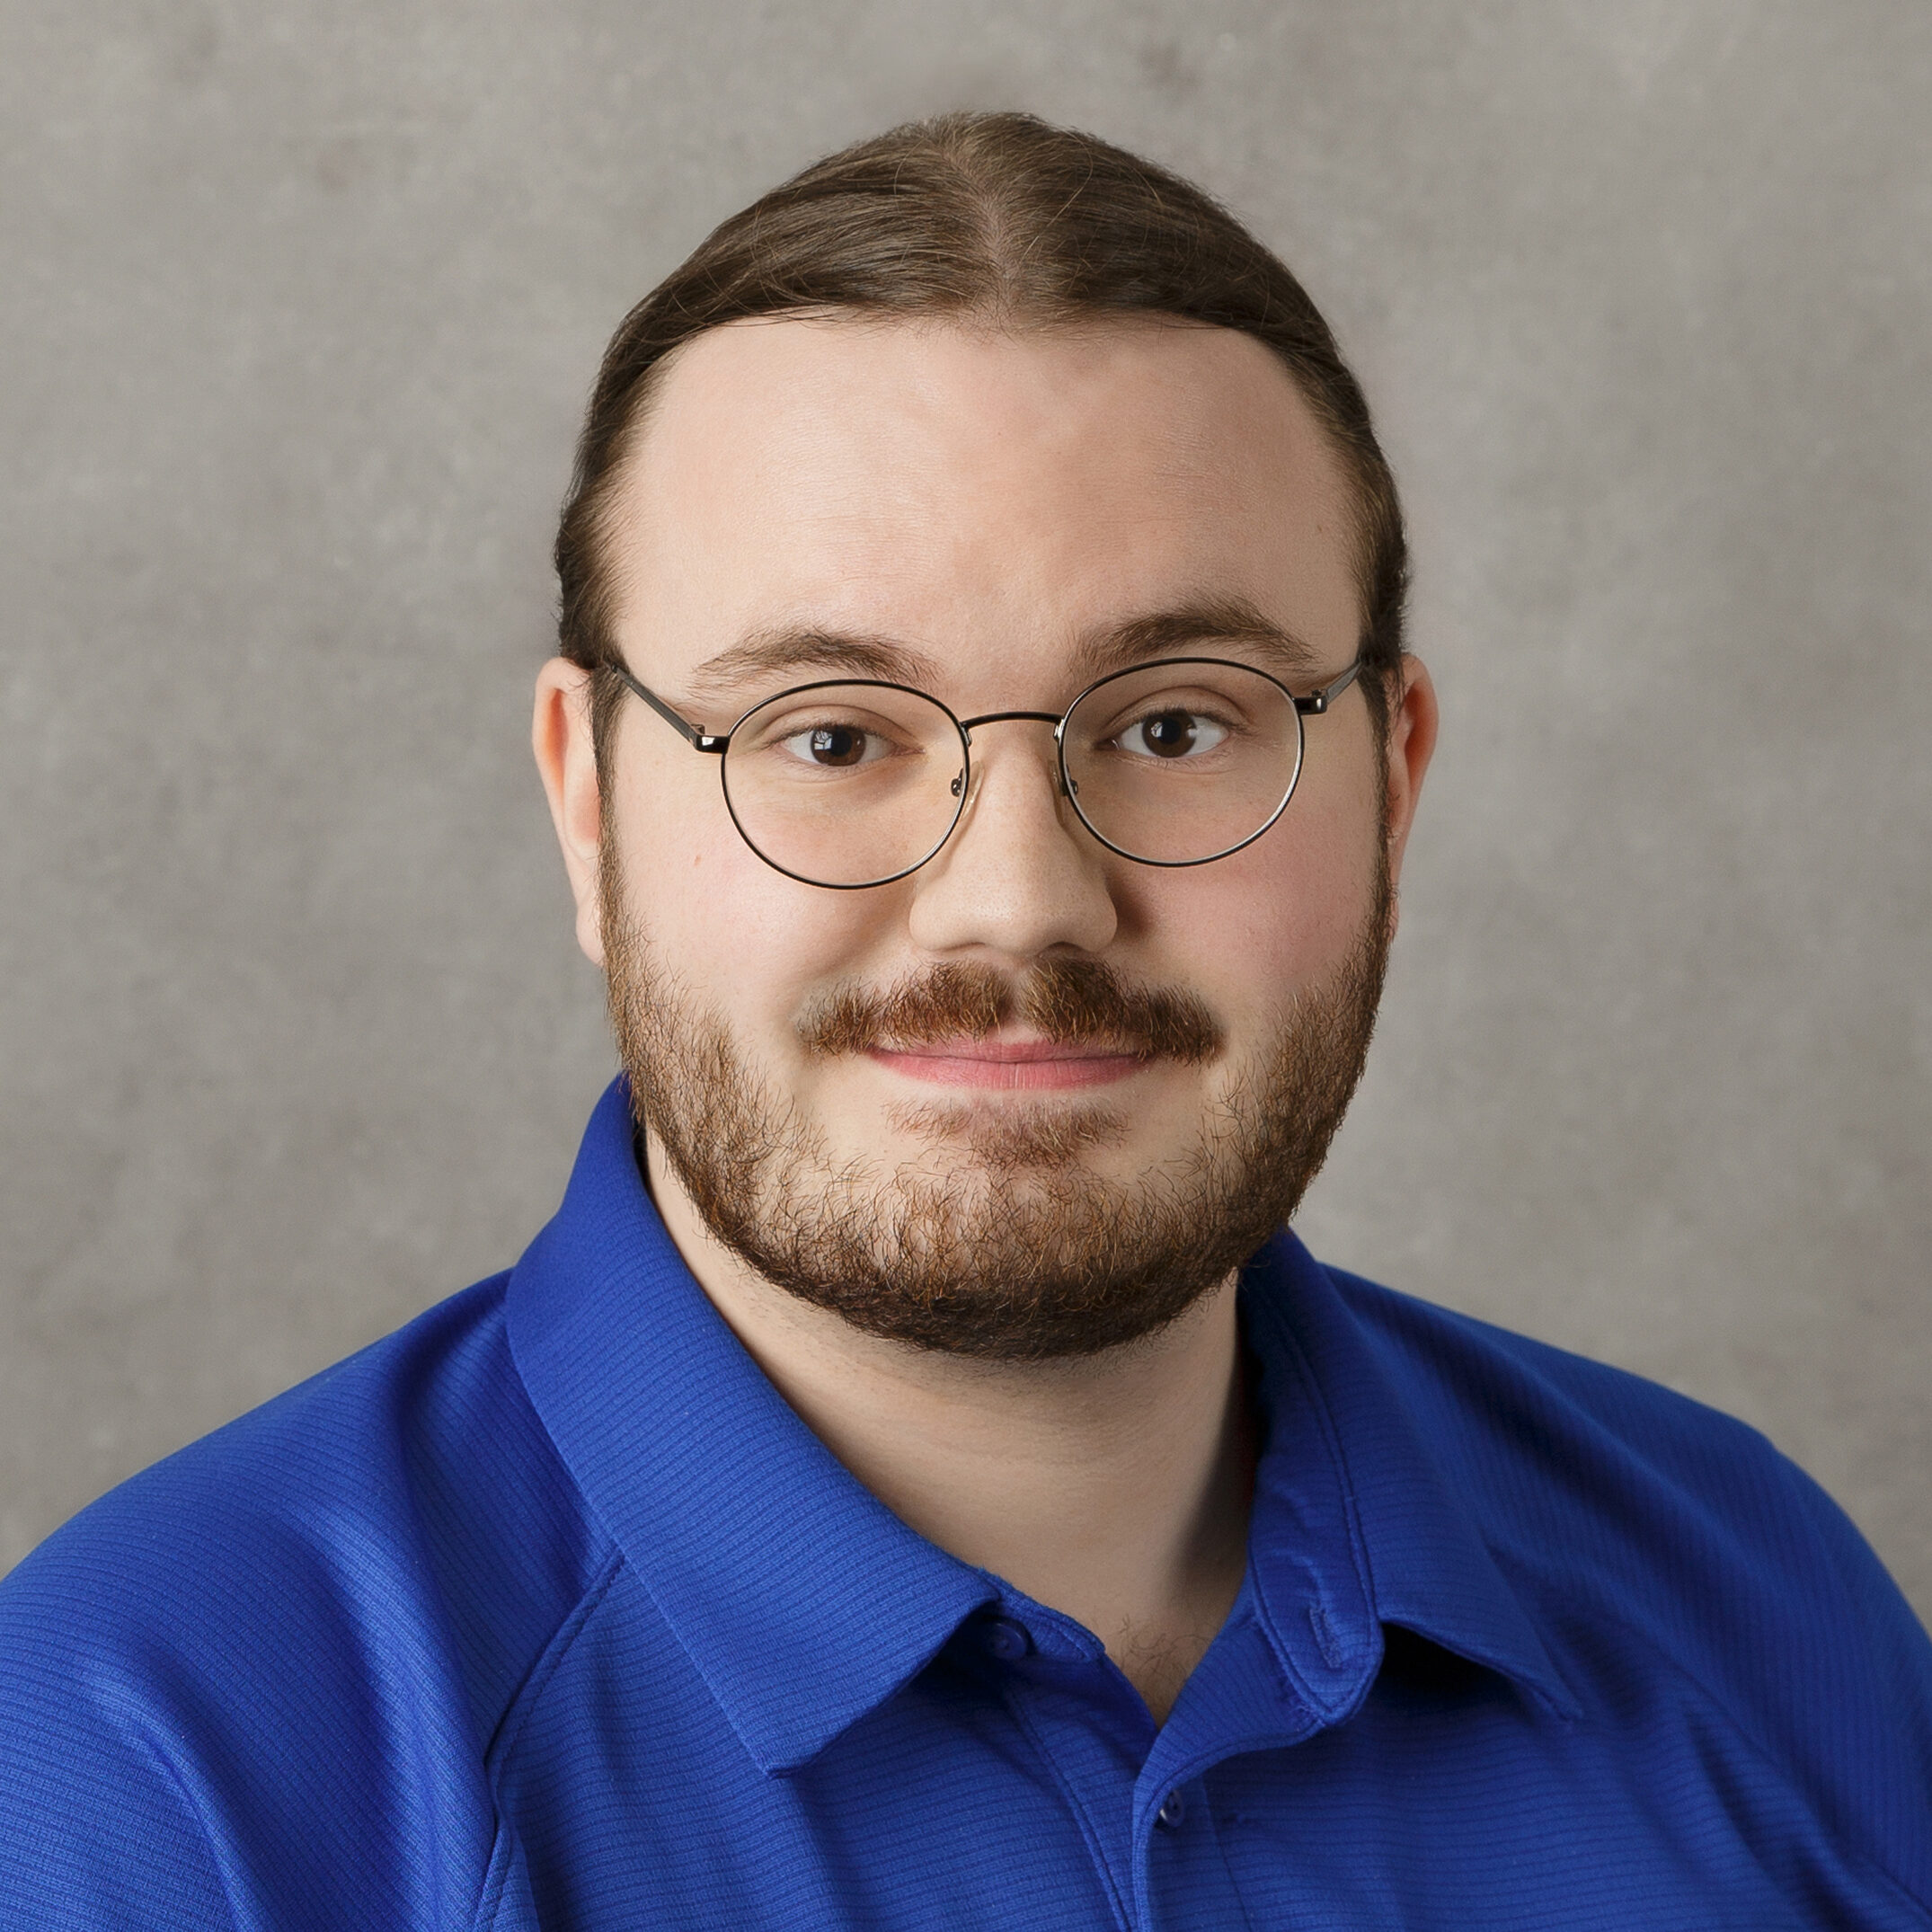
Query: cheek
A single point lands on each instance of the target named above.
(745, 941)
(1252, 931)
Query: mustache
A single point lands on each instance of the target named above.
(1071, 1002)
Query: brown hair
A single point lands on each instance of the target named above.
(997, 215)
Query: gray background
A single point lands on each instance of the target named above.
(297, 308)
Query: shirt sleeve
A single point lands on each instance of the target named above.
(216, 1717)
(98, 1829)
(1872, 1691)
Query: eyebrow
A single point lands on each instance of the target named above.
(791, 650)
(1182, 631)
(768, 654)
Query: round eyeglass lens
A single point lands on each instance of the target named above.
(845, 784)
(1182, 761)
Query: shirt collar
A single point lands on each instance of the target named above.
(1346, 1466)
(801, 1598)
(805, 1604)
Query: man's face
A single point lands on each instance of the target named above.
(1099, 1083)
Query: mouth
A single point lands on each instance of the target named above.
(1010, 1064)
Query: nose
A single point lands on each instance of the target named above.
(1020, 875)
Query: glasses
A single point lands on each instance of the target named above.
(856, 783)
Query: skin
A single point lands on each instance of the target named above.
(989, 501)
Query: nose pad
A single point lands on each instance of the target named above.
(1063, 787)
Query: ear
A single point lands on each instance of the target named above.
(566, 759)
(1412, 743)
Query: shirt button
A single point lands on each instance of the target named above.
(1007, 1640)
(1172, 1811)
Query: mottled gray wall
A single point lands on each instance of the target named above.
(297, 306)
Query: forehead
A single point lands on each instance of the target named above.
(985, 497)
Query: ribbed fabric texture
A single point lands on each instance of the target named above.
(548, 1612)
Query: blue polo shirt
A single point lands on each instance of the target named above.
(547, 1611)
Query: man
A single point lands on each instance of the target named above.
(915, 1481)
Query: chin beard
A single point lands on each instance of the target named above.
(998, 1240)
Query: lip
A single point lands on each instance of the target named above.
(1008, 1064)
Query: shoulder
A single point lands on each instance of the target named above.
(1542, 1439)
(1499, 1398)
(270, 1654)
(1657, 1539)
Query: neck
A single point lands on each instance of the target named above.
(1114, 1488)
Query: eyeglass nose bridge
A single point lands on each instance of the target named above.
(1057, 720)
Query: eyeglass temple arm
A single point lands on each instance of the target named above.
(1311, 706)
(1316, 703)
(698, 740)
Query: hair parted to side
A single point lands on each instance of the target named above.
(997, 217)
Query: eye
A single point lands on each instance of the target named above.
(1173, 732)
(835, 745)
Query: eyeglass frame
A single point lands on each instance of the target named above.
(1312, 705)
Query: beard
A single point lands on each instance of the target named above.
(998, 1240)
